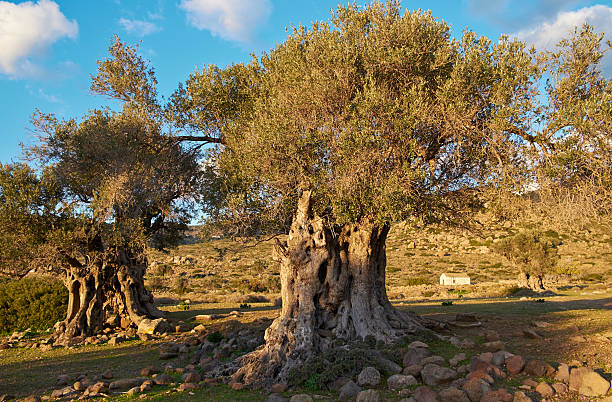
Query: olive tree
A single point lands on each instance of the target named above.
(102, 190)
(354, 124)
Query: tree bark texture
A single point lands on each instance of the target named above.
(531, 281)
(333, 286)
(109, 291)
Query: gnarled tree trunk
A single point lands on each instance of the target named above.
(333, 286)
(533, 281)
(107, 290)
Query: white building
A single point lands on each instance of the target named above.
(454, 279)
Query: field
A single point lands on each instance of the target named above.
(221, 276)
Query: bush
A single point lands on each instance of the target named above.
(417, 281)
(31, 303)
(533, 251)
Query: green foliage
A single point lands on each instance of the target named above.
(245, 306)
(215, 337)
(447, 303)
(531, 251)
(180, 286)
(31, 303)
(416, 281)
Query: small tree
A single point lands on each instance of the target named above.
(109, 186)
(533, 253)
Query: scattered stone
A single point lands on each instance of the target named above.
(486, 357)
(133, 391)
(369, 377)
(515, 365)
(456, 359)
(531, 334)
(63, 379)
(466, 317)
(349, 390)
(400, 381)
(560, 388)
(540, 324)
(188, 387)
(32, 398)
(501, 395)
(413, 369)
(439, 360)
(146, 386)
(577, 338)
(453, 394)
(519, 396)
(593, 384)
(493, 346)
(192, 377)
(168, 350)
(414, 356)
(150, 327)
(338, 383)
(162, 379)
(491, 336)
(149, 371)
(432, 374)
(417, 344)
(237, 386)
(545, 389)
(425, 394)
(79, 386)
(301, 398)
(499, 358)
(125, 383)
(475, 388)
(562, 373)
(389, 366)
(369, 395)
(108, 374)
(278, 388)
(539, 368)
(277, 398)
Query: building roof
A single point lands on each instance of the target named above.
(455, 275)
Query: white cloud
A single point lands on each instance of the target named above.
(235, 20)
(546, 35)
(138, 27)
(26, 30)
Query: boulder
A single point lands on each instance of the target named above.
(277, 398)
(456, 359)
(278, 388)
(432, 374)
(559, 388)
(413, 370)
(150, 327)
(593, 384)
(453, 394)
(475, 388)
(501, 395)
(425, 394)
(519, 396)
(439, 360)
(576, 376)
(349, 391)
(125, 383)
(192, 378)
(545, 390)
(499, 358)
(162, 379)
(414, 356)
(369, 395)
(369, 377)
(399, 381)
(562, 373)
(538, 368)
(515, 364)
(493, 346)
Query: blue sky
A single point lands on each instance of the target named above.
(48, 49)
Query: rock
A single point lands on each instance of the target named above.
(301, 398)
(63, 379)
(466, 317)
(560, 388)
(188, 386)
(237, 386)
(499, 358)
(32, 398)
(369, 377)
(515, 364)
(277, 398)
(439, 360)
(577, 338)
(369, 395)
(414, 356)
(278, 388)
(562, 373)
(150, 327)
(530, 383)
(168, 350)
(125, 383)
(338, 383)
(349, 390)
(162, 379)
(389, 366)
(192, 378)
(425, 394)
(399, 381)
(486, 357)
(417, 344)
(79, 386)
(133, 391)
(413, 369)
(108, 374)
(539, 368)
(432, 374)
(453, 394)
(475, 388)
(593, 384)
(501, 395)
(149, 371)
(545, 389)
(519, 396)
(146, 386)
(493, 346)
(491, 336)
(531, 334)
(456, 359)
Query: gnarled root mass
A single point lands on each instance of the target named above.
(333, 287)
(105, 291)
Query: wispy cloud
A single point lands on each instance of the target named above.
(546, 35)
(235, 20)
(26, 31)
(139, 27)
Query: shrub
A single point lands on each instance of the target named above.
(180, 286)
(533, 251)
(31, 303)
(417, 281)
(215, 337)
